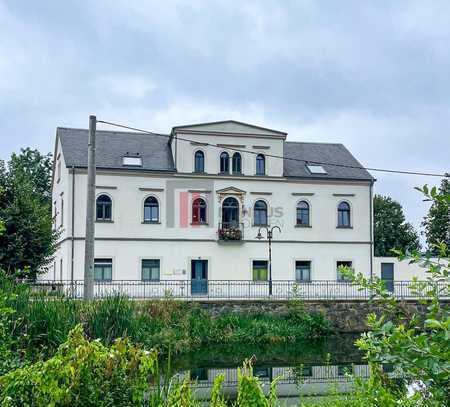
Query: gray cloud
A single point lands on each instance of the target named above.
(372, 75)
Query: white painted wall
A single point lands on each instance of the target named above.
(185, 153)
(127, 240)
(226, 262)
(128, 207)
(403, 271)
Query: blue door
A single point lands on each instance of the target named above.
(387, 275)
(199, 277)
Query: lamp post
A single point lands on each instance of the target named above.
(269, 232)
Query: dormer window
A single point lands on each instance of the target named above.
(316, 169)
(132, 161)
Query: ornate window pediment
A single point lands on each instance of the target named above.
(222, 193)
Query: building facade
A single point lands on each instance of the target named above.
(189, 205)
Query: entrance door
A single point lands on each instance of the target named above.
(199, 277)
(387, 275)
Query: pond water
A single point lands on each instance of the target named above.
(312, 368)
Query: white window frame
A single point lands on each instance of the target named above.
(150, 258)
(113, 262)
(311, 270)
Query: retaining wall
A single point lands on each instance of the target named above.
(347, 316)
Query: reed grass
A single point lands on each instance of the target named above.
(42, 323)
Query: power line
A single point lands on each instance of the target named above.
(428, 174)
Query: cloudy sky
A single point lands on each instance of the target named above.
(372, 75)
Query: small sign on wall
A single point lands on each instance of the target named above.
(179, 272)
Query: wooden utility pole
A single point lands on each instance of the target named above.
(90, 213)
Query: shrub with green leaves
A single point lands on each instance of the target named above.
(83, 373)
(9, 358)
(418, 346)
(250, 391)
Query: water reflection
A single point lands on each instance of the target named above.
(304, 368)
(305, 380)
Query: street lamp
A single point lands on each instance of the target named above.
(269, 233)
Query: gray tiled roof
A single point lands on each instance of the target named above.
(112, 146)
(157, 155)
(322, 153)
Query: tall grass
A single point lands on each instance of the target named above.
(42, 323)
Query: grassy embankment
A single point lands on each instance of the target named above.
(41, 324)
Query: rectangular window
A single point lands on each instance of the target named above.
(260, 270)
(62, 212)
(199, 374)
(303, 271)
(59, 171)
(388, 367)
(316, 169)
(262, 372)
(55, 214)
(103, 269)
(343, 218)
(150, 270)
(306, 371)
(132, 161)
(151, 213)
(60, 269)
(339, 264)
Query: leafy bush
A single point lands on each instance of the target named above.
(83, 373)
(250, 391)
(9, 359)
(418, 346)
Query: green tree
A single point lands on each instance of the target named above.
(437, 222)
(28, 241)
(417, 345)
(391, 231)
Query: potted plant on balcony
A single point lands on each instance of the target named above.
(230, 233)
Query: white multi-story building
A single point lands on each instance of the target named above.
(189, 206)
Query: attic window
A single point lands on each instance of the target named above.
(316, 169)
(132, 161)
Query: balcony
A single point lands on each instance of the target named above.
(231, 232)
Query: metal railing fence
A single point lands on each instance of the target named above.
(228, 289)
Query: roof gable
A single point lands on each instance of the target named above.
(229, 127)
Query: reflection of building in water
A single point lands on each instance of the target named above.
(304, 379)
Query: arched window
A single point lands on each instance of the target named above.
(303, 213)
(260, 213)
(344, 215)
(199, 211)
(260, 164)
(103, 208)
(230, 212)
(237, 163)
(199, 161)
(151, 210)
(224, 163)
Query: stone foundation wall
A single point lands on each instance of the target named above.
(346, 316)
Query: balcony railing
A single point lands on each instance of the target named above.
(231, 231)
(228, 289)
